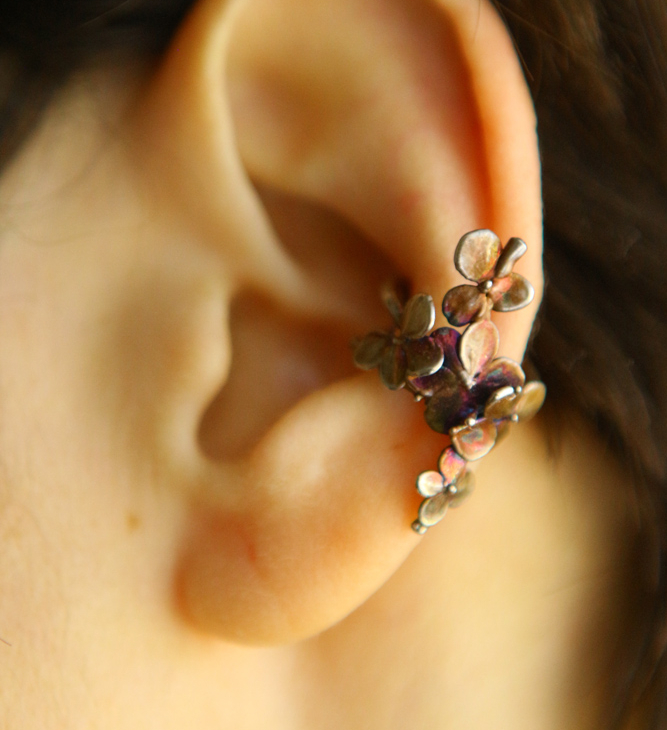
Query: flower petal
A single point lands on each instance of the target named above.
(394, 295)
(501, 404)
(464, 488)
(451, 466)
(430, 483)
(498, 373)
(448, 341)
(514, 249)
(476, 255)
(393, 367)
(418, 316)
(478, 346)
(531, 399)
(511, 293)
(432, 510)
(462, 304)
(444, 408)
(424, 356)
(368, 350)
(474, 442)
(427, 385)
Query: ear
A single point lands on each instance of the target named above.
(317, 148)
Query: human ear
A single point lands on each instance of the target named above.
(309, 145)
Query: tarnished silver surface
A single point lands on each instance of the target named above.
(479, 345)
(471, 395)
(476, 254)
(402, 351)
(451, 466)
(474, 442)
(445, 403)
(501, 404)
(369, 350)
(430, 483)
(394, 295)
(518, 293)
(393, 368)
(424, 357)
(418, 316)
(531, 400)
(514, 249)
(464, 488)
(463, 304)
(432, 510)
(502, 372)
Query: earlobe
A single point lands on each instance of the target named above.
(410, 122)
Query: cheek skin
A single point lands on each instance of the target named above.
(85, 381)
(111, 324)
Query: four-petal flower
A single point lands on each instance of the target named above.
(442, 489)
(470, 375)
(404, 351)
(481, 258)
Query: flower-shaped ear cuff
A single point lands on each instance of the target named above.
(470, 394)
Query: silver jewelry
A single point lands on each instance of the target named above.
(470, 394)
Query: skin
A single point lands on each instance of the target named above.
(205, 510)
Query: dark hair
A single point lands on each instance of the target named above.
(598, 74)
(42, 43)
